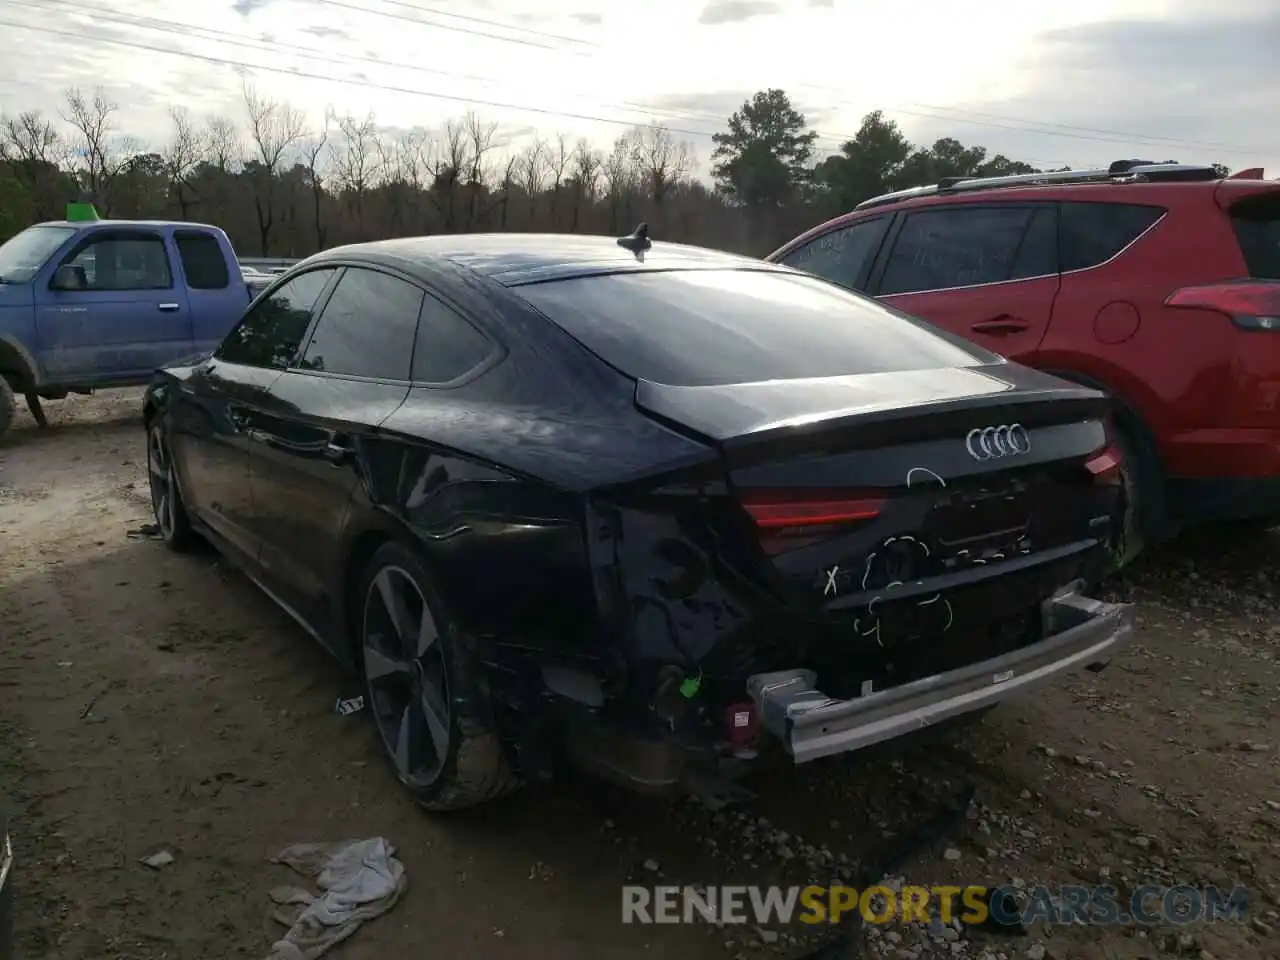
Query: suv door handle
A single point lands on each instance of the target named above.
(167, 307)
(339, 450)
(1001, 325)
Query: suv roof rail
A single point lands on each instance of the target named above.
(1122, 171)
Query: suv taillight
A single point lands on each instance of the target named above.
(1251, 304)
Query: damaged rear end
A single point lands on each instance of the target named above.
(890, 528)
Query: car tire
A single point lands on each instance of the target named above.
(8, 406)
(166, 498)
(424, 694)
(1137, 483)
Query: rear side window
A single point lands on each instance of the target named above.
(1093, 233)
(447, 345)
(840, 256)
(367, 327)
(955, 247)
(202, 261)
(271, 332)
(701, 327)
(1257, 225)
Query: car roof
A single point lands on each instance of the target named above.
(153, 224)
(515, 259)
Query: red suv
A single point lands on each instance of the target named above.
(1156, 282)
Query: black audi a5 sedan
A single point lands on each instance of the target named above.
(640, 505)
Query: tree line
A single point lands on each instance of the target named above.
(283, 184)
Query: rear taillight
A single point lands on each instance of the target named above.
(1105, 466)
(789, 519)
(787, 509)
(1251, 304)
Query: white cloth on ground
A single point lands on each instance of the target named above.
(358, 879)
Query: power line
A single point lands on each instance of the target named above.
(490, 23)
(163, 26)
(221, 36)
(303, 75)
(1020, 124)
(448, 26)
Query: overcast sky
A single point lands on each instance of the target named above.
(1074, 83)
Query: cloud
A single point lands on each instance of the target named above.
(587, 18)
(826, 4)
(325, 33)
(247, 7)
(736, 11)
(1196, 89)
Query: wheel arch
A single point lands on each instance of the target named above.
(1135, 426)
(17, 361)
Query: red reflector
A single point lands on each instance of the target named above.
(777, 509)
(1253, 304)
(1105, 465)
(740, 724)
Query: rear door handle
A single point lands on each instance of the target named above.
(238, 418)
(1002, 325)
(339, 450)
(167, 307)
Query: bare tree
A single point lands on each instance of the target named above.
(225, 149)
(621, 178)
(480, 143)
(587, 161)
(532, 171)
(356, 161)
(451, 162)
(559, 155)
(98, 155)
(314, 150)
(30, 139)
(275, 128)
(663, 160)
(184, 152)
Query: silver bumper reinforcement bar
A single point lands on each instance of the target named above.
(1078, 632)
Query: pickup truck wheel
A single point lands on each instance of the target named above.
(166, 498)
(424, 696)
(8, 406)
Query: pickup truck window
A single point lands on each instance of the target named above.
(367, 327)
(123, 262)
(203, 262)
(271, 332)
(22, 256)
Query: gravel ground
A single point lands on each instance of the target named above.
(153, 702)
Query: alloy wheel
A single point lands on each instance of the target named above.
(405, 670)
(160, 474)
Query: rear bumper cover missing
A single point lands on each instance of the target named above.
(1079, 632)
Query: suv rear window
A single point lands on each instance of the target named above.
(702, 327)
(1093, 233)
(1257, 225)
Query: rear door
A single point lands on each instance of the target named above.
(988, 273)
(126, 317)
(217, 297)
(311, 440)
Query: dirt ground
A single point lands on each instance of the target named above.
(150, 701)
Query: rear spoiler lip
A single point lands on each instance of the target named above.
(662, 401)
(1236, 188)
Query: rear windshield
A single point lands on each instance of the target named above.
(702, 327)
(1257, 225)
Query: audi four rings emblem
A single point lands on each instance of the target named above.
(992, 443)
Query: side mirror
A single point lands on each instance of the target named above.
(69, 277)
